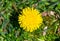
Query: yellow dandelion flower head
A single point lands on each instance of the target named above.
(30, 19)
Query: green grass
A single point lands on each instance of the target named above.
(9, 27)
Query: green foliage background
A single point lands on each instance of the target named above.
(9, 27)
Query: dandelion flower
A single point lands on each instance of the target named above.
(30, 19)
